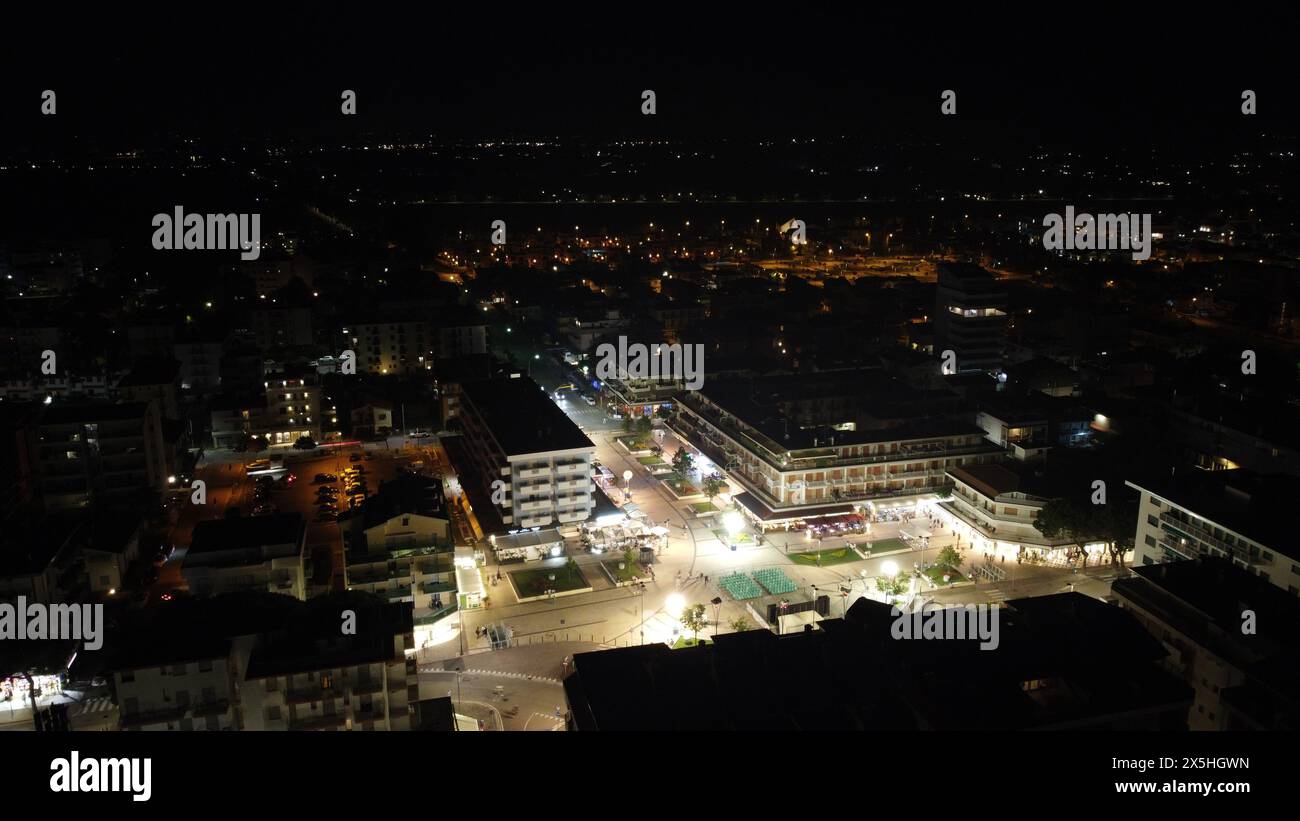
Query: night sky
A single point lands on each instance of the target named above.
(493, 70)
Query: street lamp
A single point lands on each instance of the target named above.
(733, 522)
(674, 605)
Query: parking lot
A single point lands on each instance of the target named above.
(231, 490)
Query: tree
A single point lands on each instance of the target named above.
(305, 443)
(740, 625)
(682, 461)
(695, 619)
(257, 444)
(1081, 521)
(949, 557)
(572, 566)
(712, 487)
(627, 424)
(644, 425)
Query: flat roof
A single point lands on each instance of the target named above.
(240, 532)
(1253, 505)
(522, 417)
(57, 414)
(754, 505)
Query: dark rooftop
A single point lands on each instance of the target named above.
(408, 493)
(522, 417)
(242, 532)
(1094, 665)
(1253, 505)
(57, 414)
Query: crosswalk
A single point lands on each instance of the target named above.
(95, 706)
(477, 672)
(995, 594)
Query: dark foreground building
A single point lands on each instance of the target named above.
(1232, 636)
(1064, 662)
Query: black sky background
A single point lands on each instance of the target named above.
(1099, 75)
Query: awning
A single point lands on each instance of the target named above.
(757, 508)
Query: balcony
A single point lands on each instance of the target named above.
(1177, 528)
(574, 484)
(533, 473)
(324, 722)
(579, 515)
(580, 468)
(532, 488)
(303, 695)
(537, 521)
(364, 688)
(535, 505)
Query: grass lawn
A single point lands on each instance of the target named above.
(883, 546)
(936, 575)
(630, 571)
(680, 485)
(704, 507)
(536, 582)
(650, 461)
(685, 642)
(740, 538)
(632, 442)
(838, 555)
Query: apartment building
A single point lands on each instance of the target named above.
(156, 379)
(790, 473)
(970, 316)
(995, 506)
(288, 408)
(200, 360)
(248, 553)
(293, 406)
(101, 452)
(1237, 515)
(412, 344)
(516, 435)
(1197, 610)
(400, 547)
(315, 681)
(184, 683)
(265, 663)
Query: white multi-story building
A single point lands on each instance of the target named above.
(1233, 514)
(220, 666)
(1194, 608)
(248, 553)
(333, 684)
(995, 507)
(540, 461)
(176, 685)
(791, 474)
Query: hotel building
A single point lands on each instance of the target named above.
(791, 473)
(515, 434)
(1237, 515)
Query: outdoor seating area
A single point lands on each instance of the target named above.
(740, 586)
(775, 581)
(633, 534)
